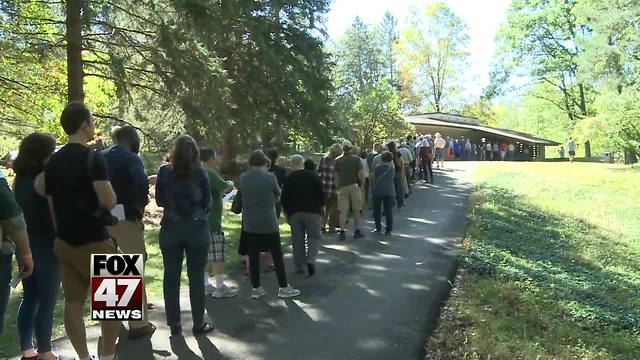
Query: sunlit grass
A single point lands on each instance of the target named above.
(552, 265)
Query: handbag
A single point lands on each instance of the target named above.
(236, 205)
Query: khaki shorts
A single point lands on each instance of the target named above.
(75, 264)
(349, 199)
(129, 237)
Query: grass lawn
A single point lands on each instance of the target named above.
(9, 345)
(550, 266)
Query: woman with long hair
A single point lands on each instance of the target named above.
(183, 191)
(260, 228)
(36, 311)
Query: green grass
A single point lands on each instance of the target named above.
(551, 265)
(9, 345)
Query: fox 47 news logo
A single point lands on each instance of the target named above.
(116, 287)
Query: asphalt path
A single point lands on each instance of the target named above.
(372, 298)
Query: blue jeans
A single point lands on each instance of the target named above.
(39, 298)
(5, 278)
(177, 238)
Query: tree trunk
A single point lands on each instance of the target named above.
(228, 154)
(74, 50)
(583, 102)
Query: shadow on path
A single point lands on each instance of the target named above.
(374, 298)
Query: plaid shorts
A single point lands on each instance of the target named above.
(217, 248)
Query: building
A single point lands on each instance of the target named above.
(464, 127)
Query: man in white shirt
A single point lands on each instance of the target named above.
(571, 148)
(440, 144)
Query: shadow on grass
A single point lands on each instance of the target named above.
(581, 274)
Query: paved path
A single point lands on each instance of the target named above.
(375, 298)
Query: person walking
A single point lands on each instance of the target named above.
(407, 158)
(260, 228)
(349, 175)
(218, 245)
(40, 290)
(131, 185)
(440, 144)
(426, 161)
(571, 148)
(80, 198)
(303, 203)
(280, 173)
(398, 165)
(383, 192)
(184, 193)
(561, 152)
(489, 151)
(326, 170)
(496, 151)
(481, 150)
(365, 188)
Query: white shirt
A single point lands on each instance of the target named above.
(365, 167)
(571, 146)
(440, 143)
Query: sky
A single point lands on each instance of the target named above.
(483, 18)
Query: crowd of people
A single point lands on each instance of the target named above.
(59, 213)
(464, 149)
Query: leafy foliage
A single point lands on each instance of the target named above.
(432, 51)
(366, 99)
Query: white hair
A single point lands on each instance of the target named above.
(297, 161)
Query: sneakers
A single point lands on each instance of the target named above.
(287, 292)
(208, 290)
(257, 293)
(224, 292)
(357, 235)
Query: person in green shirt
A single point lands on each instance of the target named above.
(349, 176)
(218, 246)
(12, 227)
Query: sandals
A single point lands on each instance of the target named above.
(203, 329)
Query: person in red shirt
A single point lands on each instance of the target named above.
(503, 151)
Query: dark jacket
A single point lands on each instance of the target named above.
(128, 179)
(302, 192)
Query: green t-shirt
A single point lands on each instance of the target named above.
(215, 215)
(9, 208)
(347, 167)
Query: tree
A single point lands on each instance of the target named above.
(375, 116)
(232, 72)
(611, 53)
(542, 38)
(482, 110)
(388, 39)
(366, 101)
(358, 61)
(432, 50)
